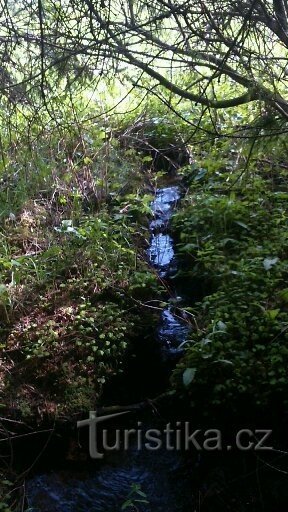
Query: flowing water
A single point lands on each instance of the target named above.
(161, 251)
(105, 487)
(172, 329)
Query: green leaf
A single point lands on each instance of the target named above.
(141, 493)
(224, 361)
(281, 195)
(127, 504)
(15, 263)
(188, 376)
(272, 313)
(284, 294)
(3, 289)
(268, 263)
(227, 240)
(200, 174)
(242, 224)
(147, 158)
(221, 326)
(66, 223)
(188, 247)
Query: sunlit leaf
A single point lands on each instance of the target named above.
(268, 263)
(272, 313)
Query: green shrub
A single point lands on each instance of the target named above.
(236, 244)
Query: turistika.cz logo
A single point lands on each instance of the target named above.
(183, 437)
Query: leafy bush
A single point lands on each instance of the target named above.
(235, 242)
(72, 269)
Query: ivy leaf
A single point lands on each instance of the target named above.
(268, 263)
(188, 376)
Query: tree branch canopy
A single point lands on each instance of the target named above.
(184, 47)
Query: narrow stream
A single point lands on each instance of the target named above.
(161, 251)
(105, 486)
(172, 330)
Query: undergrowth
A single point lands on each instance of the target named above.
(231, 236)
(73, 270)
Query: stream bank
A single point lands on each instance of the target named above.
(105, 488)
(173, 481)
